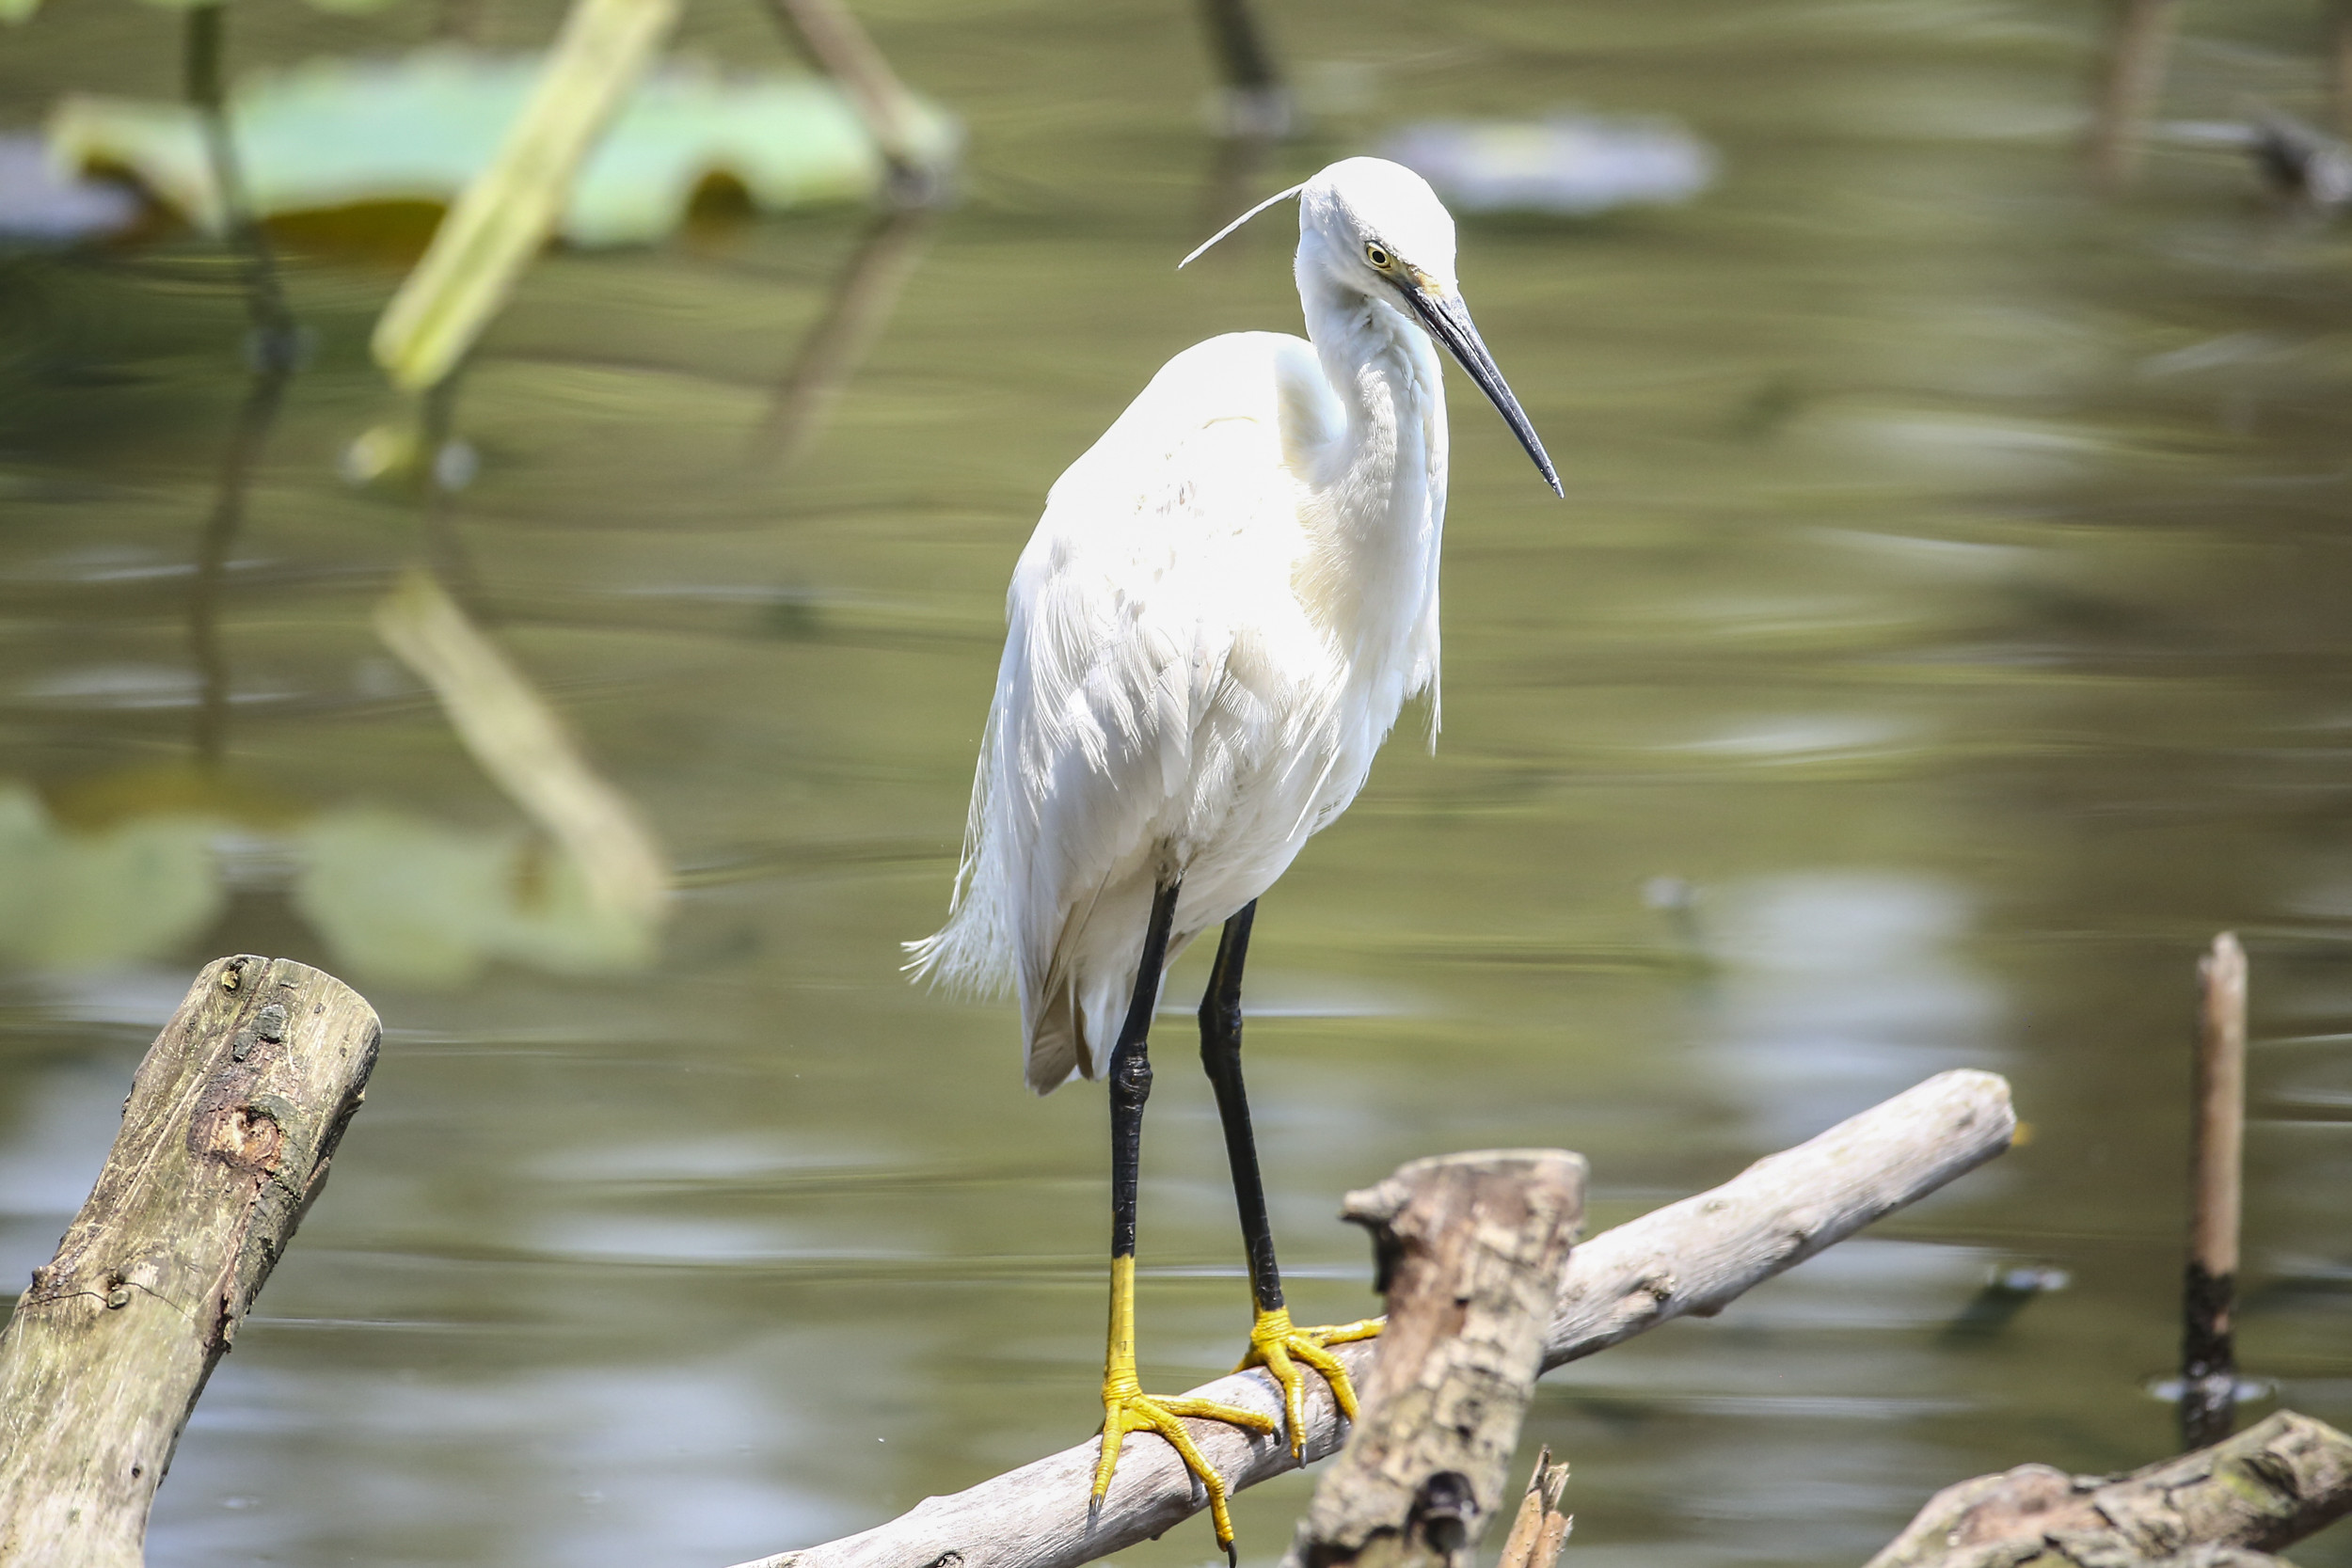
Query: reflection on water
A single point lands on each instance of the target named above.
(1839, 990)
(1944, 637)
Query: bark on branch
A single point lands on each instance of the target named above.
(2270, 1486)
(226, 1138)
(1471, 1249)
(1692, 1256)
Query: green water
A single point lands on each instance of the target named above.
(1949, 590)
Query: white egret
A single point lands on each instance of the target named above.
(1227, 602)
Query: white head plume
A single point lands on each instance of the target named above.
(1277, 196)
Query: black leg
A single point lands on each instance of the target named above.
(1220, 1055)
(1125, 1406)
(1274, 1342)
(1131, 1075)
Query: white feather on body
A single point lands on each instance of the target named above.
(1225, 604)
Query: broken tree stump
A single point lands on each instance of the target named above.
(1470, 1250)
(231, 1121)
(2270, 1486)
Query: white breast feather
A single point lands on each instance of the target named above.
(1165, 702)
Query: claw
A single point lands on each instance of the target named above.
(1130, 1409)
(1276, 1344)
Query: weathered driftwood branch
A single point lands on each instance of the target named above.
(226, 1137)
(1692, 1259)
(1471, 1248)
(1690, 1256)
(2273, 1484)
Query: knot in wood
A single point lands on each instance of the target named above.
(1444, 1512)
(248, 1137)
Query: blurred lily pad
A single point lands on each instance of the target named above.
(336, 134)
(404, 899)
(81, 900)
(1570, 165)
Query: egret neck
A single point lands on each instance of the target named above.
(1378, 509)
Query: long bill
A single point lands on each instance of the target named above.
(1449, 321)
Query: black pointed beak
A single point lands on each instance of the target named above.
(1448, 320)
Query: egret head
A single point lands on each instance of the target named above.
(1375, 227)
(1372, 226)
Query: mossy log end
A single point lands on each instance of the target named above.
(2269, 1486)
(231, 1121)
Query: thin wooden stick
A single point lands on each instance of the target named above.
(275, 335)
(2129, 88)
(845, 52)
(1692, 1256)
(504, 216)
(1256, 103)
(232, 1119)
(863, 299)
(2208, 1358)
(2339, 64)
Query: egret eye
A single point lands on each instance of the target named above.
(1378, 255)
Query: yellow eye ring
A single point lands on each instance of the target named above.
(1378, 257)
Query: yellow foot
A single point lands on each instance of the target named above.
(1127, 1408)
(1278, 1346)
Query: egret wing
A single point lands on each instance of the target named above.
(1126, 697)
